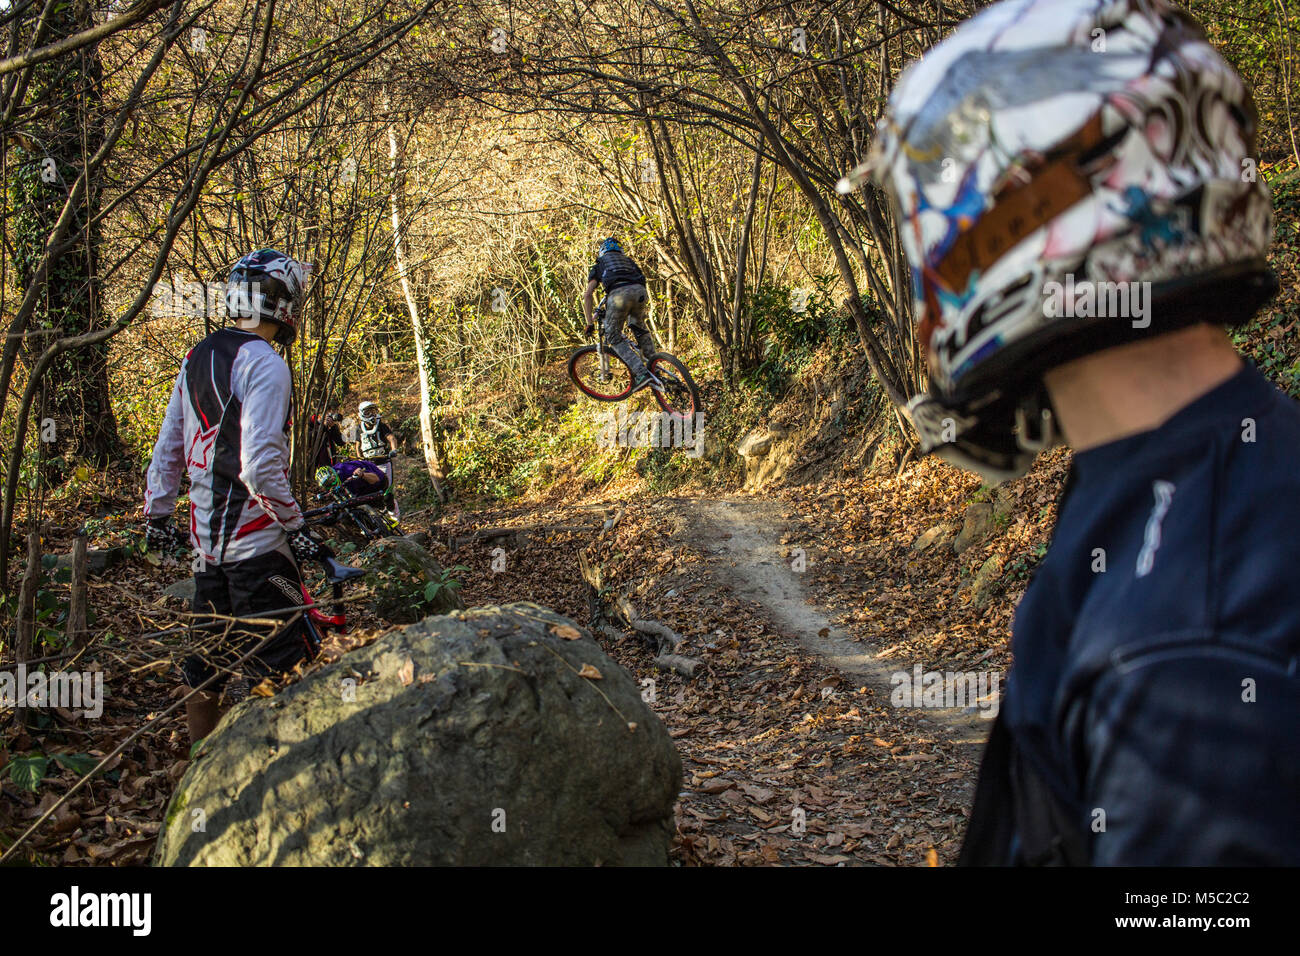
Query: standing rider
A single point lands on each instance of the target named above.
(377, 441)
(326, 435)
(626, 300)
(227, 425)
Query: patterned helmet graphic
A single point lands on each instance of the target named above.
(1057, 166)
(267, 285)
(610, 244)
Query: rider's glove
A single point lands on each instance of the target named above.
(161, 535)
(307, 547)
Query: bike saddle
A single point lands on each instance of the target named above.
(337, 573)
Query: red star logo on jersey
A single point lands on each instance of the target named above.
(201, 448)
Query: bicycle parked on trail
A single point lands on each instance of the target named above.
(600, 373)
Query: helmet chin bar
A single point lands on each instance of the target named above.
(997, 444)
(1040, 434)
(284, 334)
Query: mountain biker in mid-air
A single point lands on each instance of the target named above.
(625, 302)
(1150, 715)
(227, 426)
(376, 440)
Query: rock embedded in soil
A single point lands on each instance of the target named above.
(98, 560)
(979, 522)
(940, 535)
(398, 572)
(182, 590)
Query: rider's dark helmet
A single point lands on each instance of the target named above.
(610, 245)
(267, 285)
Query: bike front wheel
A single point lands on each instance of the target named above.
(372, 523)
(604, 378)
(679, 396)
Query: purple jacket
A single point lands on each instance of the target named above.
(351, 473)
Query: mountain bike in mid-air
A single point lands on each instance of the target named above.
(600, 374)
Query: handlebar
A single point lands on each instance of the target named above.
(372, 497)
(335, 571)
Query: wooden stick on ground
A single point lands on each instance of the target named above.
(666, 640)
(75, 633)
(26, 626)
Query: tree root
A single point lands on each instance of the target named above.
(661, 639)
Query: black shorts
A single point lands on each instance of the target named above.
(255, 587)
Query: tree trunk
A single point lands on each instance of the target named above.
(428, 380)
(75, 387)
(75, 632)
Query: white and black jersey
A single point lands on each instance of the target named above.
(227, 424)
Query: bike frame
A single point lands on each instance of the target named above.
(342, 498)
(374, 497)
(318, 622)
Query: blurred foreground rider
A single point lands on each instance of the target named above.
(1080, 229)
(625, 303)
(227, 426)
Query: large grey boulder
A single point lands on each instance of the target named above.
(482, 737)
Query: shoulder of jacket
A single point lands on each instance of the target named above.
(260, 355)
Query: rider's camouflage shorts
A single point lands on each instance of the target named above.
(628, 304)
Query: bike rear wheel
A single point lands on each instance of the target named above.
(679, 397)
(610, 383)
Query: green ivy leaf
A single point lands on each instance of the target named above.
(26, 773)
(80, 764)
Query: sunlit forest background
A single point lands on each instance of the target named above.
(447, 170)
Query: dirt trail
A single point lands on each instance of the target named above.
(743, 538)
(792, 752)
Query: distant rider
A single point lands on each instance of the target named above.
(625, 302)
(377, 441)
(362, 477)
